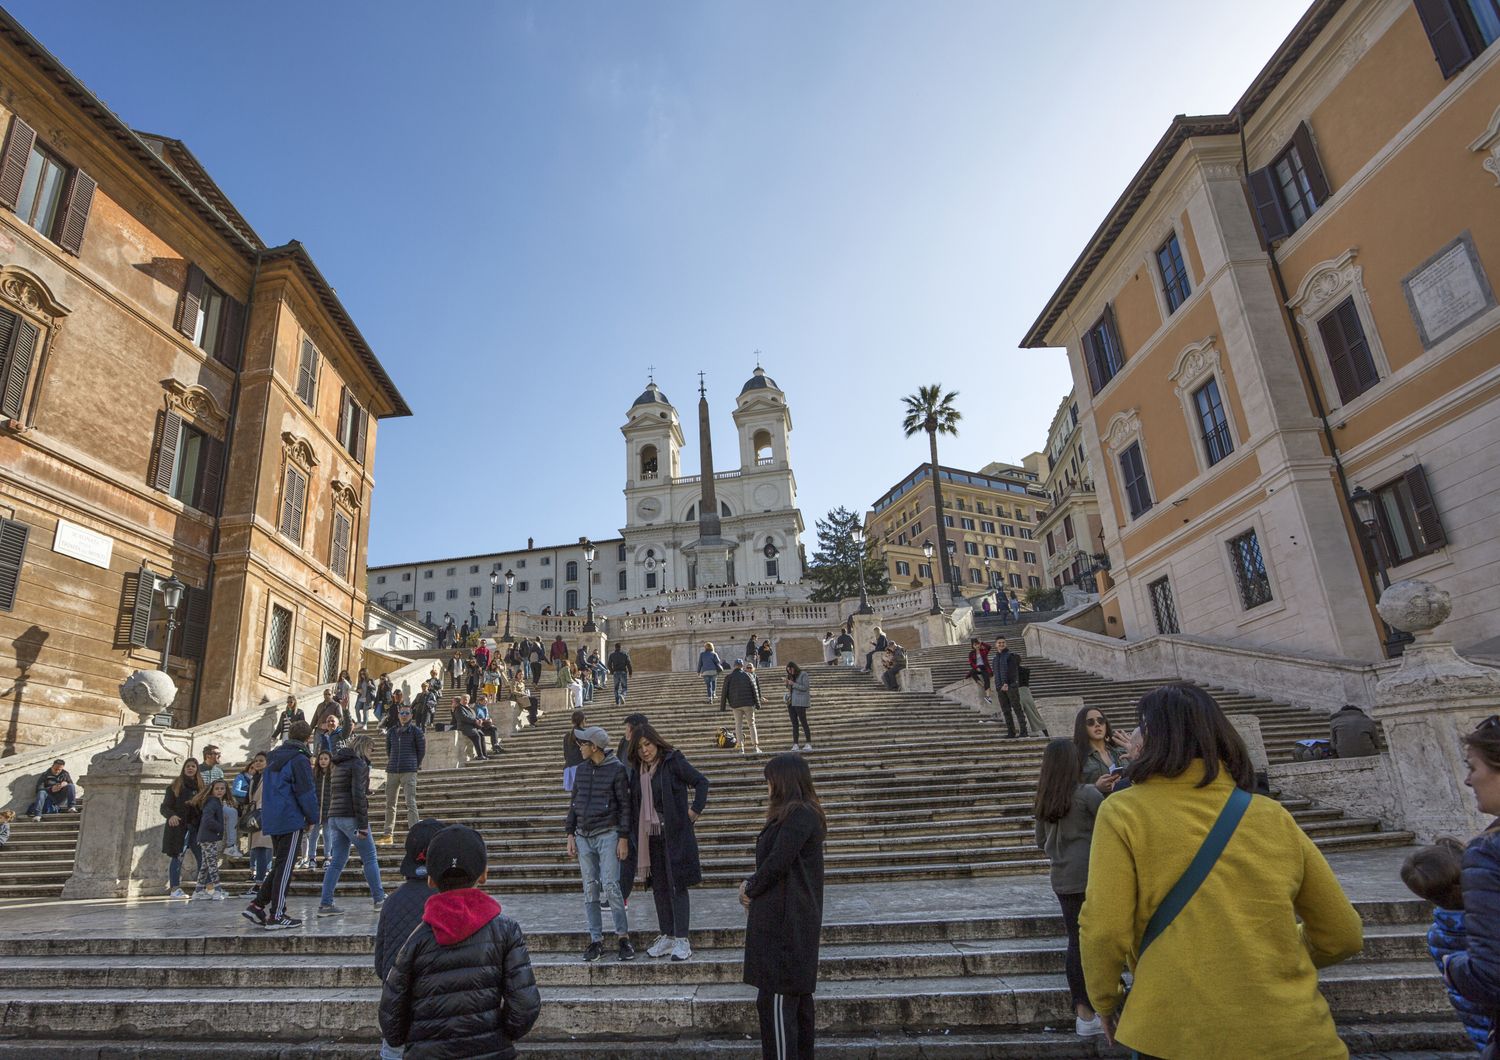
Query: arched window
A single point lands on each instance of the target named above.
(692, 513)
(571, 571)
(761, 443)
(648, 461)
(570, 601)
(724, 509)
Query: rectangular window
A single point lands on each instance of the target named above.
(903, 568)
(42, 185)
(428, 573)
(1068, 527)
(1174, 277)
(992, 551)
(339, 553)
(354, 423)
(916, 530)
(1287, 192)
(1212, 423)
(473, 568)
(546, 561)
(773, 570)
(546, 583)
(620, 554)
(1006, 530)
(1408, 517)
(189, 463)
(1293, 187)
(1033, 582)
(1133, 476)
(380, 579)
(1015, 581)
(13, 536)
(474, 590)
(948, 521)
(450, 572)
(1458, 30)
(1027, 535)
(307, 374)
(971, 548)
(975, 576)
(1012, 555)
(1029, 557)
(1249, 568)
(651, 579)
(1051, 543)
(924, 570)
(452, 594)
(1162, 606)
(521, 587)
(406, 576)
(293, 504)
(966, 523)
(987, 527)
(1348, 352)
(279, 639)
(1103, 356)
(900, 539)
(332, 655)
(622, 580)
(520, 563)
(429, 596)
(208, 332)
(406, 600)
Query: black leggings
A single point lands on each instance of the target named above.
(1072, 905)
(671, 906)
(799, 714)
(786, 1025)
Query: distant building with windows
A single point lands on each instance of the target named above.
(181, 407)
(1285, 343)
(990, 518)
(1071, 532)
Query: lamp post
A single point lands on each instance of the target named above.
(1363, 502)
(171, 596)
(989, 577)
(929, 551)
(953, 579)
(588, 557)
(510, 583)
(858, 534)
(494, 588)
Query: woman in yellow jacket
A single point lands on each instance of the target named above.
(1233, 974)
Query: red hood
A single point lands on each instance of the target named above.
(455, 915)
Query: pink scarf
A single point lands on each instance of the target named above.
(650, 823)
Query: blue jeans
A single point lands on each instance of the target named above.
(601, 872)
(46, 802)
(622, 685)
(711, 679)
(312, 840)
(340, 834)
(260, 862)
(174, 867)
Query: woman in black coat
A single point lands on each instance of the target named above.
(181, 832)
(666, 850)
(785, 901)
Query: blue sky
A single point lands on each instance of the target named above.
(525, 205)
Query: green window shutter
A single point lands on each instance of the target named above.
(191, 301)
(13, 162)
(75, 212)
(13, 537)
(16, 356)
(169, 430)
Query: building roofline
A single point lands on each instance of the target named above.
(194, 172)
(1182, 128)
(956, 470)
(490, 555)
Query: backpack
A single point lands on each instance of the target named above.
(725, 739)
(1311, 750)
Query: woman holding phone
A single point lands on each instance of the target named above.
(1100, 748)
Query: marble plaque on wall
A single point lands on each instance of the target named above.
(1447, 291)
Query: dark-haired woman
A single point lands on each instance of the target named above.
(785, 901)
(1100, 748)
(798, 699)
(666, 848)
(1231, 966)
(181, 833)
(1475, 973)
(1064, 811)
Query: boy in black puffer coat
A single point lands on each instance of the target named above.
(440, 992)
(402, 912)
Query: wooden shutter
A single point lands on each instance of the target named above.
(1265, 198)
(293, 501)
(1450, 45)
(194, 623)
(1118, 350)
(16, 354)
(13, 537)
(362, 425)
(339, 554)
(169, 430)
(1316, 179)
(191, 302)
(139, 597)
(1425, 509)
(231, 333)
(1091, 362)
(307, 372)
(75, 212)
(1348, 353)
(210, 475)
(13, 162)
(343, 417)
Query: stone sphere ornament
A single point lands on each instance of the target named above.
(1415, 606)
(148, 693)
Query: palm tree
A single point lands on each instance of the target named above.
(930, 410)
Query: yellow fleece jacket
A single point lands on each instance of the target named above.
(1234, 975)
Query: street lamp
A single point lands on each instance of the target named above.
(171, 596)
(858, 534)
(494, 588)
(510, 583)
(929, 552)
(953, 579)
(1363, 502)
(588, 557)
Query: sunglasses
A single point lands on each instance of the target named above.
(1094, 721)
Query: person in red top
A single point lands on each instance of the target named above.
(559, 653)
(979, 667)
(482, 655)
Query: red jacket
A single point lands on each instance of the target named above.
(559, 649)
(979, 661)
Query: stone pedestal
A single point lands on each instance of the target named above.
(1059, 713)
(915, 679)
(864, 636)
(1248, 726)
(447, 750)
(557, 700)
(1426, 707)
(595, 641)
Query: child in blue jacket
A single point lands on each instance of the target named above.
(1435, 873)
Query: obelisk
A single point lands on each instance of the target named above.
(709, 556)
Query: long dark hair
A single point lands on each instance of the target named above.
(182, 777)
(794, 670)
(1181, 723)
(791, 786)
(1062, 771)
(1081, 734)
(642, 730)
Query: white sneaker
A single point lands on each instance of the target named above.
(177, 892)
(807, 747)
(681, 951)
(1087, 1028)
(200, 895)
(795, 747)
(663, 945)
(218, 895)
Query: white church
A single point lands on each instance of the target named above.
(672, 548)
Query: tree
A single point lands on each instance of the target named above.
(835, 565)
(930, 410)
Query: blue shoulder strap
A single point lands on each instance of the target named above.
(1197, 871)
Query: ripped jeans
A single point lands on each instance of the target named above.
(601, 873)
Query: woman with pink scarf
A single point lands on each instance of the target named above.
(666, 848)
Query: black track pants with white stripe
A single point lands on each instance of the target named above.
(272, 894)
(786, 1025)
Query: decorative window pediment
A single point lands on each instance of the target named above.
(1489, 143)
(196, 404)
(298, 450)
(1326, 282)
(346, 494)
(1122, 427)
(26, 291)
(1195, 362)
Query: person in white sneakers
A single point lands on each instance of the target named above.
(798, 699)
(666, 848)
(742, 695)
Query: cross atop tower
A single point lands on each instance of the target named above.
(757, 358)
(651, 373)
(702, 390)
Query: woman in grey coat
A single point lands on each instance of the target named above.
(798, 699)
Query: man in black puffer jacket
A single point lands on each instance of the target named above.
(440, 994)
(347, 822)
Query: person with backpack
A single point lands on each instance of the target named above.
(1006, 665)
(844, 645)
(1249, 908)
(619, 665)
(289, 806)
(1435, 874)
(709, 668)
(742, 695)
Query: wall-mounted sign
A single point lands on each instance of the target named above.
(82, 543)
(1447, 291)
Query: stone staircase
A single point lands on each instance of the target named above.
(924, 807)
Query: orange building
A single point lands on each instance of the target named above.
(1285, 342)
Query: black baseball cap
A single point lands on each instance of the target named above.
(456, 857)
(414, 865)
